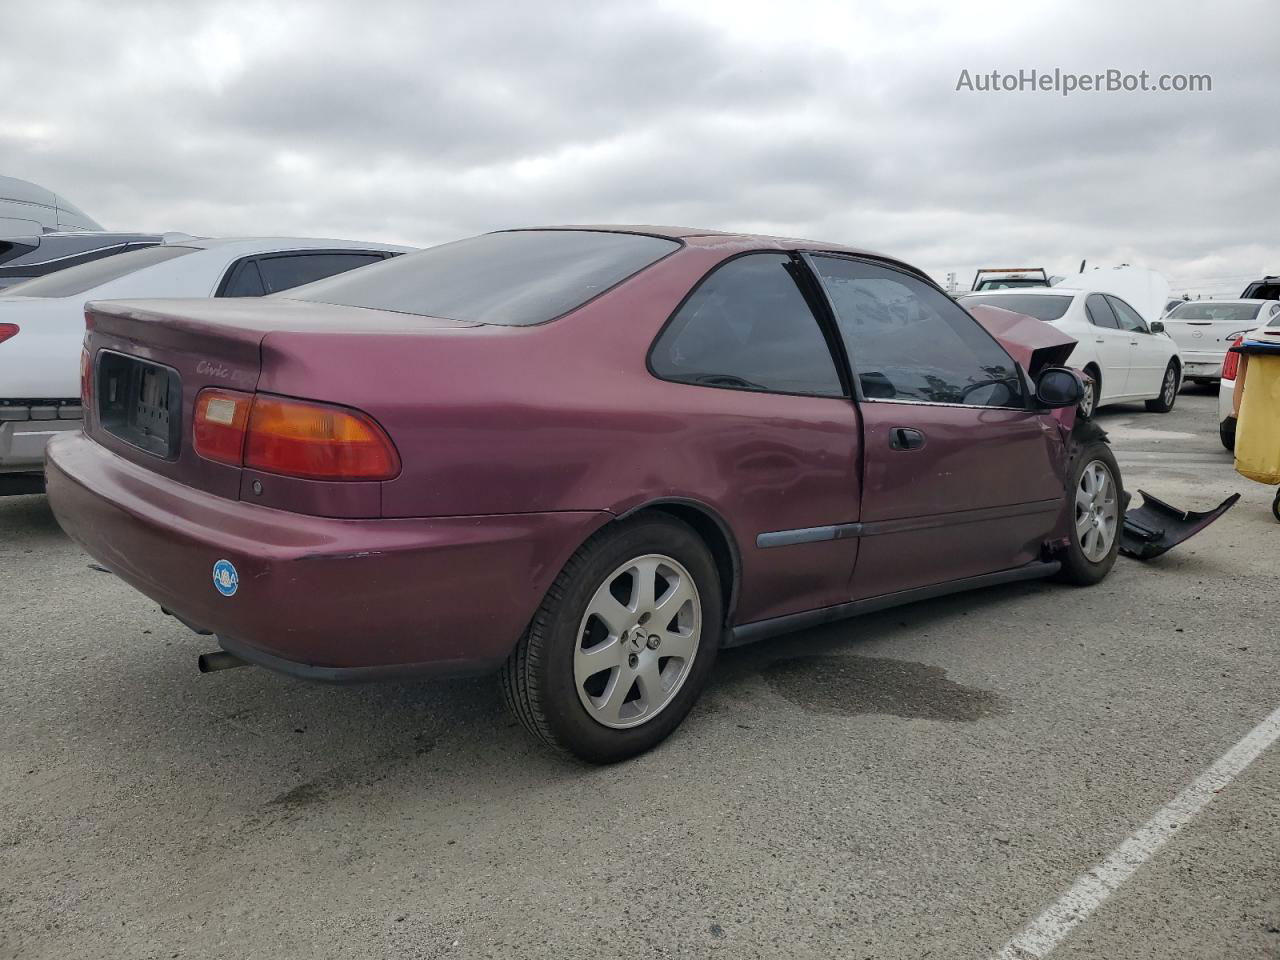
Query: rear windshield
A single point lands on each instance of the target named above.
(516, 278)
(1042, 308)
(1208, 310)
(73, 280)
(1010, 283)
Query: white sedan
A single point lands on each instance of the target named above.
(42, 321)
(1204, 329)
(1125, 356)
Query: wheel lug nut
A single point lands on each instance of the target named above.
(654, 642)
(632, 660)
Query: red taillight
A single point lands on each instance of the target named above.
(86, 380)
(292, 437)
(8, 330)
(220, 419)
(1231, 362)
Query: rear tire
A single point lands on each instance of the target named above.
(1169, 387)
(1227, 433)
(1097, 517)
(652, 664)
(1275, 507)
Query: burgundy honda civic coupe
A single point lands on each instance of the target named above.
(584, 457)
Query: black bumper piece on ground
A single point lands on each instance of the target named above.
(1157, 527)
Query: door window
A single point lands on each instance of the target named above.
(1129, 318)
(909, 341)
(1100, 314)
(747, 326)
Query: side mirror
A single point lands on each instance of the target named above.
(1157, 326)
(1059, 387)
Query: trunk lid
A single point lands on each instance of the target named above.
(1207, 336)
(150, 359)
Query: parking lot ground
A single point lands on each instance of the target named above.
(922, 782)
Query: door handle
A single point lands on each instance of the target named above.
(905, 438)
(1100, 340)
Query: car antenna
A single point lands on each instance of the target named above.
(1082, 263)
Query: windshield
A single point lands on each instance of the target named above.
(1208, 310)
(515, 278)
(73, 280)
(1042, 308)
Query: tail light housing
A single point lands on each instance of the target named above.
(8, 330)
(86, 381)
(1231, 362)
(293, 438)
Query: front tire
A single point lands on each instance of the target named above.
(1096, 495)
(623, 643)
(1168, 390)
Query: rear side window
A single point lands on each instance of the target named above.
(516, 278)
(287, 272)
(1100, 314)
(1042, 308)
(909, 341)
(86, 276)
(244, 281)
(747, 326)
(1129, 318)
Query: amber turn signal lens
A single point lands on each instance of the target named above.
(317, 442)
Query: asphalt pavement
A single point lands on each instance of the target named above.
(923, 782)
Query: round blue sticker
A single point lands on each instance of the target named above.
(225, 579)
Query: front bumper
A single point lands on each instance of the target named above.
(318, 597)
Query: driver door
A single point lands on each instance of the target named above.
(961, 477)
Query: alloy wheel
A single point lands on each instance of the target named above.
(1097, 511)
(637, 641)
(1088, 400)
(1170, 388)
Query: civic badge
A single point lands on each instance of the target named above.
(225, 579)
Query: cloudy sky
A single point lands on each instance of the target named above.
(421, 122)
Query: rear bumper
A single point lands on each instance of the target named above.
(322, 598)
(1226, 397)
(22, 441)
(1202, 364)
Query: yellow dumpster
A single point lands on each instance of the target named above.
(1258, 425)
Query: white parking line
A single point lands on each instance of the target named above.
(1091, 890)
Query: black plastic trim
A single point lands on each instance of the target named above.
(319, 674)
(763, 629)
(876, 528)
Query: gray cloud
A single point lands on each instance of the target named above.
(422, 122)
